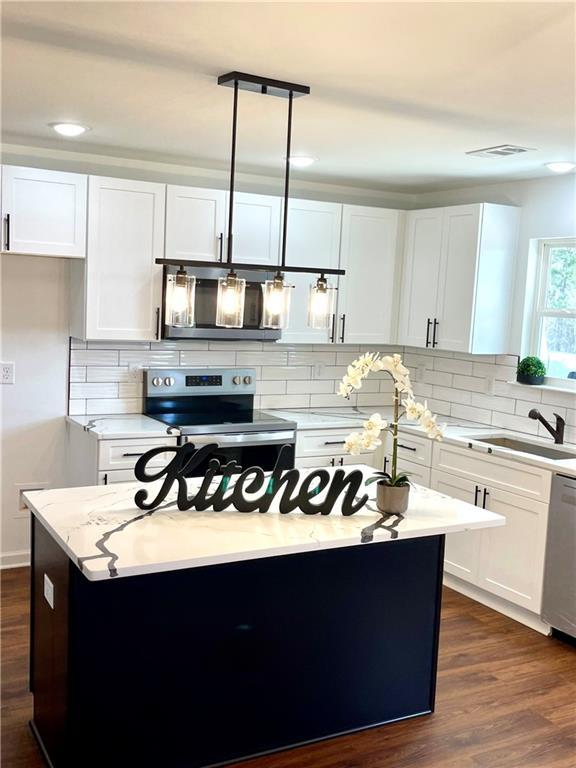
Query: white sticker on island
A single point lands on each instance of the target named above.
(48, 591)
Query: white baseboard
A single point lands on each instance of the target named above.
(525, 617)
(15, 559)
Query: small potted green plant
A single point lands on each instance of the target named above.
(531, 370)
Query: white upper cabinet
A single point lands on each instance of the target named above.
(195, 223)
(420, 276)
(256, 229)
(313, 241)
(43, 212)
(123, 285)
(457, 282)
(367, 295)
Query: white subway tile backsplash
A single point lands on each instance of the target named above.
(285, 373)
(470, 413)
(284, 401)
(266, 357)
(469, 383)
(211, 359)
(114, 406)
(93, 390)
(149, 358)
(316, 387)
(106, 377)
(93, 357)
(77, 373)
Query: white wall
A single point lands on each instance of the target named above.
(548, 210)
(34, 311)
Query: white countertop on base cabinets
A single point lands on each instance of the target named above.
(106, 534)
(130, 425)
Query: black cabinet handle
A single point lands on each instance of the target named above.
(434, 341)
(134, 454)
(485, 498)
(341, 462)
(332, 462)
(385, 462)
(221, 248)
(157, 322)
(334, 442)
(476, 492)
(343, 318)
(407, 447)
(7, 240)
(428, 324)
(333, 331)
(106, 479)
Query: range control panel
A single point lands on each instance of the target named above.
(199, 381)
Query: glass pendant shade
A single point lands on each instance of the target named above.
(230, 306)
(276, 303)
(180, 299)
(321, 304)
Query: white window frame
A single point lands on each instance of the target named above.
(540, 312)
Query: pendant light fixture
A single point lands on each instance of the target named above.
(276, 292)
(180, 299)
(232, 288)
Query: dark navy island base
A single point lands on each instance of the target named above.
(209, 665)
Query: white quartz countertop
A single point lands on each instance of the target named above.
(130, 425)
(106, 535)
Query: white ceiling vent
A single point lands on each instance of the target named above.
(502, 150)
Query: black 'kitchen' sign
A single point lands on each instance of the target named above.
(294, 493)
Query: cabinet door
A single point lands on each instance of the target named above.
(125, 236)
(43, 212)
(368, 292)
(314, 241)
(420, 275)
(512, 557)
(417, 473)
(462, 552)
(195, 223)
(457, 278)
(256, 228)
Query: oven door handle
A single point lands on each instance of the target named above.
(244, 438)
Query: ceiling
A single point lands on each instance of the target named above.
(399, 91)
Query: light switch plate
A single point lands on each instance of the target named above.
(48, 591)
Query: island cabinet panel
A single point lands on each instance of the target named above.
(208, 665)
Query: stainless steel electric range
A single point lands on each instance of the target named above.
(216, 405)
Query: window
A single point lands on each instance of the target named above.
(554, 339)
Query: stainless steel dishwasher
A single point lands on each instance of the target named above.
(559, 597)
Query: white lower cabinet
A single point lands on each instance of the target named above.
(507, 561)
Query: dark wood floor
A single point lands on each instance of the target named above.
(506, 699)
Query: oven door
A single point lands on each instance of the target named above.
(248, 449)
(205, 309)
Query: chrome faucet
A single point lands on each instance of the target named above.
(558, 433)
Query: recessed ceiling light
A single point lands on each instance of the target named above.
(301, 161)
(70, 130)
(560, 167)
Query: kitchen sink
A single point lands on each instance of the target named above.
(536, 449)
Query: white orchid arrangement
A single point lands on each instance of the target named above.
(369, 438)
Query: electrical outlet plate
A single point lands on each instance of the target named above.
(48, 591)
(8, 373)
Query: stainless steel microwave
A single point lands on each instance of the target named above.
(205, 308)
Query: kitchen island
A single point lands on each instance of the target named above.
(187, 639)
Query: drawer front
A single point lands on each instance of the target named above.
(123, 454)
(116, 476)
(494, 470)
(414, 448)
(321, 442)
(326, 461)
(416, 472)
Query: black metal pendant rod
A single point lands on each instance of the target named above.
(287, 179)
(240, 267)
(232, 172)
